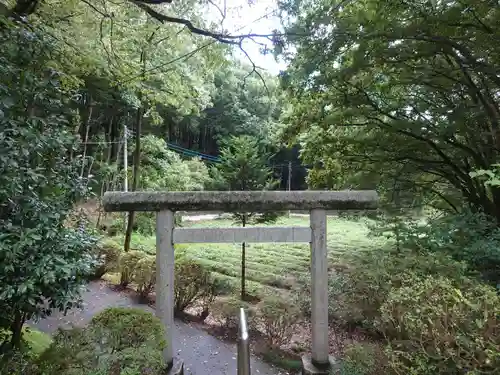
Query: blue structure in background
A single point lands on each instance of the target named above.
(281, 169)
(191, 153)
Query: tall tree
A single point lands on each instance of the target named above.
(43, 262)
(244, 166)
(399, 95)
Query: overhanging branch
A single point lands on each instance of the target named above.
(221, 37)
(156, 1)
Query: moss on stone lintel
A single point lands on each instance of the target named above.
(250, 201)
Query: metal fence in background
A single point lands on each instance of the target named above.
(243, 345)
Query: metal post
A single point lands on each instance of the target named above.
(243, 346)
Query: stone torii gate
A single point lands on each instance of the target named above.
(317, 202)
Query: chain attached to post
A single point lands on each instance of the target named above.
(243, 346)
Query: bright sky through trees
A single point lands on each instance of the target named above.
(243, 17)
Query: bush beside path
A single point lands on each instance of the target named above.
(201, 352)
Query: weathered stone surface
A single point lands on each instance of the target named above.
(165, 265)
(237, 235)
(319, 286)
(309, 368)
(240, 200)
(176, 368)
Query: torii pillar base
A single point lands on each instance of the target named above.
(175, 368)
(310, 368)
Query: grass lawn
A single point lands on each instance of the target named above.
(37, 340)
(270, 266)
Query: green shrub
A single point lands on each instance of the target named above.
(128, 262)
(436, 328)
(470, 237)
(360, 287)
(123, 328)
(226, 312)
(108, 253)
(192, 282)
(129, 340)
(222, 286)
(70, 349)
(116, 226)
(277, 317)
(302, 294)
(144, 276)
(364, 359)
(181, 251)
(17, 362)
(144, 223)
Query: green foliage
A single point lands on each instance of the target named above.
(278, 318)
(371, 105)
(144, 276)
(244, 166)
(17, 362)
(193, 282)
(242, 105)
(36, 341)
(435, 327)
(221, 285)
(226, 312)
(70, 349)
(364, 280)
(144, 223)
(490, 177)
(123, 328)
(302, 294)
(162, 169)
(128, 263)
(22, 360)
(130, 339)
(43, 262)
(364, 359)
(108, 253)
(244, 163)
(473, 238)
(269, 266)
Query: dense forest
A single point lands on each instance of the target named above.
(401, 97)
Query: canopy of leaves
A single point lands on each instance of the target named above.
(43, 263)
(163, 169)
(242, 104)
(141, 59)
(244, 166)
(402, 95)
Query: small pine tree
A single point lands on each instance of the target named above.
(244, 167)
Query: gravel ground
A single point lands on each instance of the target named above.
(202, 353)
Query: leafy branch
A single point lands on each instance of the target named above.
(221, 37)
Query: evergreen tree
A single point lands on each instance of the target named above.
(244, 167)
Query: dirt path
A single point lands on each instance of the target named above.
(202, 353)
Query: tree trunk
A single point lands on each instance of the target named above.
(25, 7)
(17, 330)
(111, 145)
(243, 266)
(99, 208)
(86, 139)
(135, 177)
